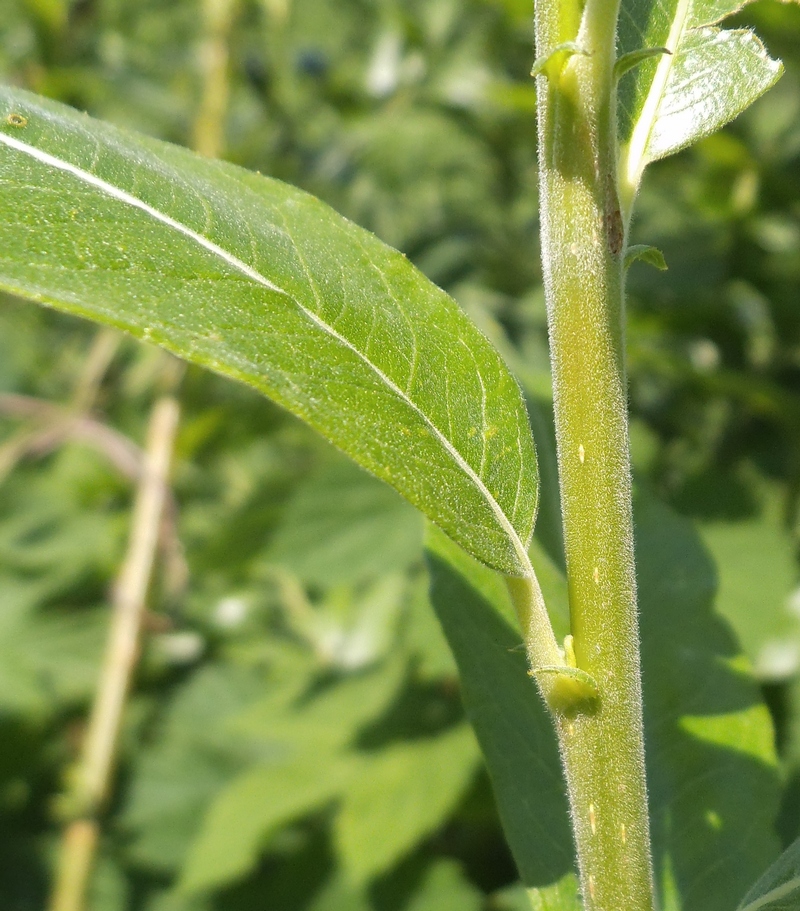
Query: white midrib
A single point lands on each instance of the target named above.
(774, 895)
(634, 159)
(251, 273)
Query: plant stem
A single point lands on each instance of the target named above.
(94, 773)
(583, 243)
(209, 125)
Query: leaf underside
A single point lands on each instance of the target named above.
(711, 75)
(779, 888)
(264, 283)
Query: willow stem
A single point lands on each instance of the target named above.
(583, 246)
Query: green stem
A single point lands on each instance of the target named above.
(209, 126)
(583, 250)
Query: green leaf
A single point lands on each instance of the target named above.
(343, 526)
(192, 757)
(445, 888)
(399, 795)
(48, 659)
(265, 284)
(561, 896)
(712, 776)
(779, 888)
(757, 575)
(433, 659)
(291, 719)
(709, 76)
(249, 810)
(647, 254)
(302, 738)
(171, 787)
(510, 721)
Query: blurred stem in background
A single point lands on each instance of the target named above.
(52, 425)
(93, 776)
(209, 126)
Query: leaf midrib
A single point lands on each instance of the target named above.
(773, 895)
(239, 265)
(634, 158)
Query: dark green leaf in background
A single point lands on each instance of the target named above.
(707, 731)
(764, 615)
(342, 527)
(779, 888)
(511, 723)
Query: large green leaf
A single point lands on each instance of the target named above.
(779, 888)
(400, 795)
(711, 767)
(763, 615)
(343, 526)
(301, 739)
(445, 888)
(510, 721)
(709, 76)
(251, 809)
(266, 284)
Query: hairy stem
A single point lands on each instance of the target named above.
(93, 778)
(583, 242)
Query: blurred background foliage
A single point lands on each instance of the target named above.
(296, 738)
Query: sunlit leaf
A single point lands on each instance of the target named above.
(445, 888)
(264, 283)
(708, 77)
(764, 615)
(561, 896)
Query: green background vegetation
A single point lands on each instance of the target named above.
(296, 739)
